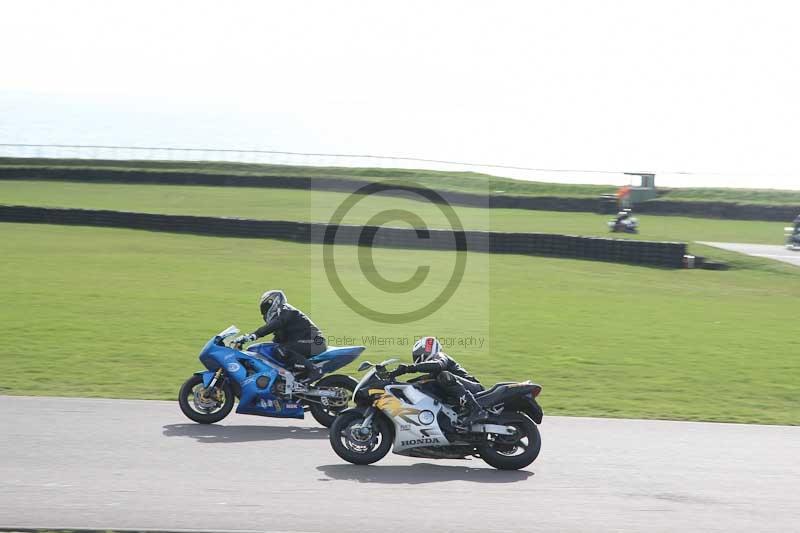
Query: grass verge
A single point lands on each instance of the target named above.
(317, 206)
(122, 313)
(441, 180)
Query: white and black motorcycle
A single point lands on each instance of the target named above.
(414, 420)
(792, 238)
(625, 225)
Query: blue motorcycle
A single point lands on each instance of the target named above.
(263, 383)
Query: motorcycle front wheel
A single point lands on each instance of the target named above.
(205, 406)
(360, 446)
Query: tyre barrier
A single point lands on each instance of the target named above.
(724, 210)
(661, 254)
(317, 183)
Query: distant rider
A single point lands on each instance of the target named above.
(296, 335)
(797, 225)
(622, 216)
(457, 384)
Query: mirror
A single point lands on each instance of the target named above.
(365, 365)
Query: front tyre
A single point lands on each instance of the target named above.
(512, 452)
(357, 445)
(205, 406)
(324, 414)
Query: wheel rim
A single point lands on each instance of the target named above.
(511, 445)
(206, 401)
(334, 408)
(356, 440)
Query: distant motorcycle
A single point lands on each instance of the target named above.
(792, 238)
(414, 420)
(627, 225)
(263, 383)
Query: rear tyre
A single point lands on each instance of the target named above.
(205, 406)
(324, 414)
(360, 447)
(506, 452)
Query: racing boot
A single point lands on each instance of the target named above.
(302, 365)
(313, 373)
(472, 411)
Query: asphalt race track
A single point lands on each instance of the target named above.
(778, 253)
(95, 463)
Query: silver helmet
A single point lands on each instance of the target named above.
(271, 304)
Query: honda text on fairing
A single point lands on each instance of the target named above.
(413, 419)
(263, 384)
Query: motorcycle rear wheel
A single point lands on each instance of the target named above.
(325, 414)
(363, 450)
(501, 452)
(218, 409)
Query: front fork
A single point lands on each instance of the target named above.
(364, 429)
(211, 384)
(214, 380)
(368, 419)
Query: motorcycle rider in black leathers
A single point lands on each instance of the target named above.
(622, 215)
(797, 225)
(457, 384)
(296, 335)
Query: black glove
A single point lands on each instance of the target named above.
(399, 371)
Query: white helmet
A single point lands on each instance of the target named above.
(425, 349)
(271, 303)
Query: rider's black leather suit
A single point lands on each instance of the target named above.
(296, 335)
(453, 379)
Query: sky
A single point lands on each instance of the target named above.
(709, 88)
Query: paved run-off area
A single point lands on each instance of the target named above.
(768, 251)
(140, 464)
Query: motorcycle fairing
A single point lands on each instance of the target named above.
(501, 391)
(335, 358)
(516, 395)
(244, 368)
(252, 399)
(265, 405)
(208, 375)
(266, 350)
(269, 405)
(328, 361)
(415, 418)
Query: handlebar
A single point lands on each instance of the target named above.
(382, 373)
(231, 344)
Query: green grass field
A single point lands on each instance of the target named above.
(439, 180)
(283, 204)
(122, 313)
